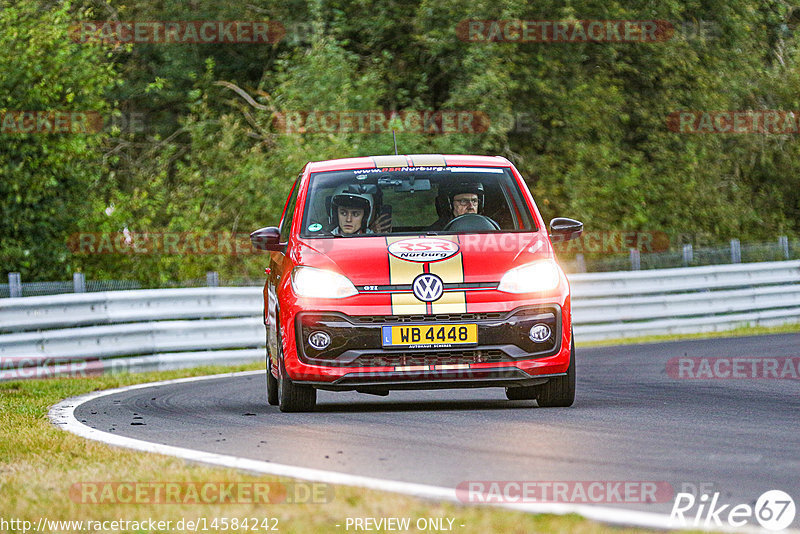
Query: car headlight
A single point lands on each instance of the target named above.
(536, 277)
(321, 284)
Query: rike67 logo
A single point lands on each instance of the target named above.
(774, 510)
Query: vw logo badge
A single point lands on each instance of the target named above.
(427, 287)
(319, 340)
(539, 333)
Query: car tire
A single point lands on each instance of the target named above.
(522, 392)
(293, 397)
(272, 382)
(559, 392)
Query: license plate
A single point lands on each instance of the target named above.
(430, 336)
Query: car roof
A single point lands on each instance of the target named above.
(407, 160)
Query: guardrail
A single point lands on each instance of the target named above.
(114, 307)
(687, 300)
(129, 330)
(167, 328)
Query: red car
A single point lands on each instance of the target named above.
(415, 272)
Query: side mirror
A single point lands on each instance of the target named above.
(268, 238)
(564, 229)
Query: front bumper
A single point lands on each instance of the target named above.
(356, 358)
(372, 382)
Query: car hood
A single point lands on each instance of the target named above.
(391, 260)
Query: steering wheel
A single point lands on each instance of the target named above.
(471, 222)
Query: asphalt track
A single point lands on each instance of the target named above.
(631, 422)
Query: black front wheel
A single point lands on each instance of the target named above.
(293, 397)
(557, 392)
(522, 392)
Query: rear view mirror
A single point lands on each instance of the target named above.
(406, 184)
(266, 239)
(414, 185)
(564, 229)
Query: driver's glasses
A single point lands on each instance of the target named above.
(467, 201)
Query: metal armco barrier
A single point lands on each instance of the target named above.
(683, 301)
(92, 333)
(167, 328)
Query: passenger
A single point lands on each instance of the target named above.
(351, 213)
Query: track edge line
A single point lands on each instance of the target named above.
(62, 415)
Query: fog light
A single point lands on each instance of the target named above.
(319, 340)
(539, 333)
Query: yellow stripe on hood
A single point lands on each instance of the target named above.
(451, 271)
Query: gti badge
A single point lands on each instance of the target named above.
(427, 287)
(319, 340)
(539, 333)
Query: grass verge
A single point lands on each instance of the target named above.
(41, 464)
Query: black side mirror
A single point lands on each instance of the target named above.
(268, 238)
(564, 229)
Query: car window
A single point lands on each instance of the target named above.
(408, 210)
(286, 222)
(415, 199)
(419, 199)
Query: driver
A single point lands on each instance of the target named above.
(351, 213)
(462, 199)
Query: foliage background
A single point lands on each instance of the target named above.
(584, 123)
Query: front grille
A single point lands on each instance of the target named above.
(430, 358)
(357, 341)
(394, 319)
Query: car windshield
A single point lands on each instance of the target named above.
(411, 200)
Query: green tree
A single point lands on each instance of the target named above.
(44, 178)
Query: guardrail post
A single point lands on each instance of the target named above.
(636, 260)
(688, 255)
(14, 285)
(79, 282)
(783, 244)
(736, 251)
(580, 263)
(212, 279)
